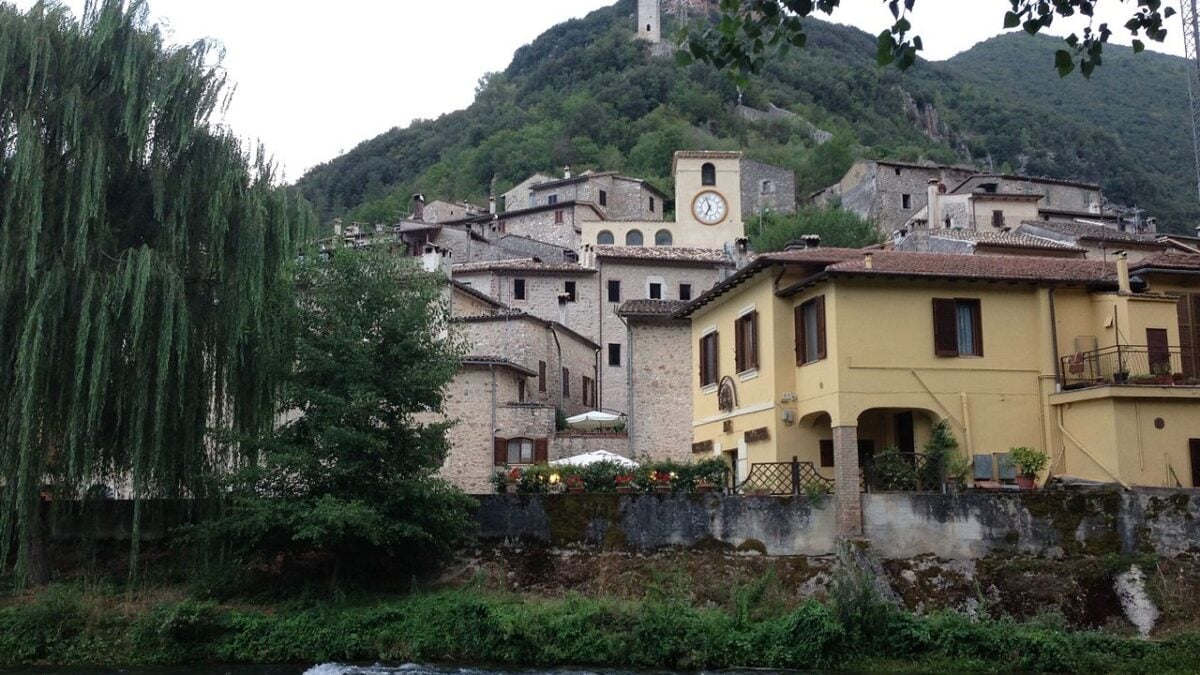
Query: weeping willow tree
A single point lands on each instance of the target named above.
(144, 261)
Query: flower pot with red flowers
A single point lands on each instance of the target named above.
(512, 481)
(1030, 462)
(624, 483)
(661, 481)
(705, 486)
(575, 484)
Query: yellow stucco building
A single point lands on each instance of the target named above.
(829, 355)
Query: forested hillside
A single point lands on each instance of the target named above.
(584, 94)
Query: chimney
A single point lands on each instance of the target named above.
(492, 204)
(811, 240)
(437, 259)
(1094, 208)
(587, 256)
(418, 207)
(1123, 284)
(869, 261)
(337, 227)
(567, 171)
(794, 245)
(934, 208)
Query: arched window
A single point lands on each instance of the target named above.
(520, 451)
(633, 238)
(708, 174)
(662, 238)
(605, 238)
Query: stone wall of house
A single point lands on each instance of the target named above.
(516, 246)
(767, 187)
(635, 278)
(518, 196)
(531, 343)
(661, 411)
(877, 191)
(541, 226)
(571, 444)
(624, 198)
(541, 296)
(1059, 196)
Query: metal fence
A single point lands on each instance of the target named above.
(892, 471)
(1127, 364)
(784, 478)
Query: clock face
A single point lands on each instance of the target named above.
(709, 208)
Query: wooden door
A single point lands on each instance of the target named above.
(905, 440)
(1158, 351)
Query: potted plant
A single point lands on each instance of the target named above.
(575, 484)
(705, 485)
(512, 481)
(624, 483)
(958, 470)
(1030, 462)
(661, 481)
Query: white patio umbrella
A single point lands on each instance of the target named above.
(595, 457)
(595, 419)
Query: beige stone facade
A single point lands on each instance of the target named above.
(660, 414)
(617, 197)
(542, 283)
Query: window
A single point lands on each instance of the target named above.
(518, 289)
(614, 354)
(603, 198)
(709, 366)
(532, 200)
(614, 290)
(897, 170)
(745, 337)
(589, 391)
(997, 219)
(685, 291)
(989, 188)
(655, 291)
(633, 238)
(520, 451)
(662, 238)
(566, 383)
(501, 227)
(1158, 350)
(708, 174)
(552, 199)
(767, 187)
(558, 217)
(957, 327)
(541, 376)
(569, 290)
(906, 201)
(810, 331)
(652, 205)
(605, 238)
(826, 445)
(521, 390)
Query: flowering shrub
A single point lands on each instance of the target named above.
(607, 476)
(514, 475)
(575, 482)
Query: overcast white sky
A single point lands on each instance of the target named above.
(316, 78)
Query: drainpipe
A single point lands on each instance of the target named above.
(629, 411)
(558, 346)
(492, 371)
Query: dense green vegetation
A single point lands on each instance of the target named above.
(65, 626)
(584, 94)
(145, 260)
(835, 227)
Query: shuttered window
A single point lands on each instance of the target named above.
(1188, 305)
(541, 376)
(810, 331)
(520, 451)
(709, 370)
(566, 383)
(957, 327)
(745, 335)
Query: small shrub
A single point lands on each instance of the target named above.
(1029, 461)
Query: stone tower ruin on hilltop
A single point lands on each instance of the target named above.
(649, 26)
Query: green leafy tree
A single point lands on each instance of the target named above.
(836, 227)
(749, 32)
(144, 257)
(351, 476)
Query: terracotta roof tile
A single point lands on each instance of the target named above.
(651, 308)
(1094, 232)
(521, 265)
(985, 267)
(1169, 260)
(1012, 239)
(665, 254)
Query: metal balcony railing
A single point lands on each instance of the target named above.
(1129, 364)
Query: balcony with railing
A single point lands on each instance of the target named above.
(1130, 365)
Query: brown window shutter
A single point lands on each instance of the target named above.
(716, 358)
(826, 445)
(977, 320)
(739, 345)
(820, 327)
(945, 331)
(541, 451)
(703, 361)
(798, 324)
(500, 451)
(753, 340)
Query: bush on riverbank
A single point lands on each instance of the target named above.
(63, 626)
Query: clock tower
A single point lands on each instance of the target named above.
(708, 198)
